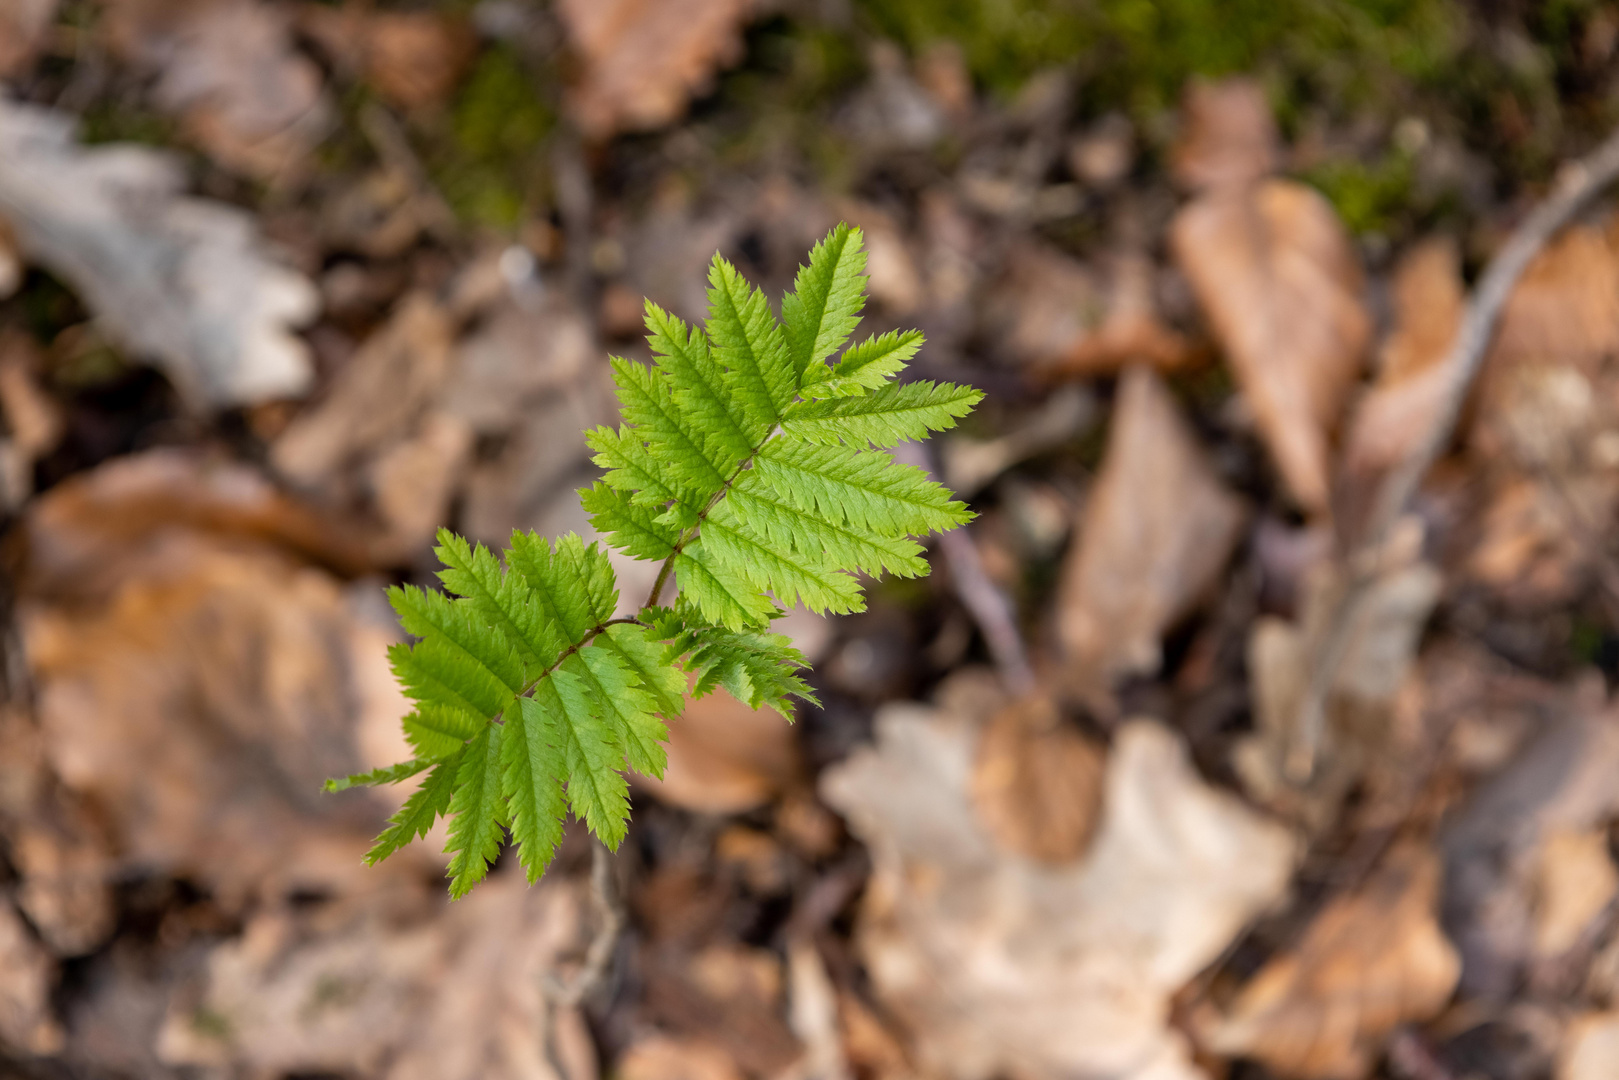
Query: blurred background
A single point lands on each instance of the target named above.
(287, 284)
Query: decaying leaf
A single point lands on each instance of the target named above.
(1229, 135)
(228, 70)
(642, 59)
(1279, 280)
(1156, 531)
(1046, 305)
(1001, 966)
(1402, 406)
(725, 758)
(180, 280)
(1370, 961)
(454, 994)
(412, 58)
(1037, 782)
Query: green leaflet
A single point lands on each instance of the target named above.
(747, 462)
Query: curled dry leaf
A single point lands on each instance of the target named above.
(1155, 533)
(1369, 962)
(1228, 137)
(1000, 966)
(183, 281)
(1400, 409)
(357, 989)
(229, 71)
(1037, 783)
(1278, 278)
(642, 59)
(1575, 881)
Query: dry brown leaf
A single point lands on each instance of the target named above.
(376, 398)
(1276, 275)
(1590, 1048)
(1575, 881)
(1369, 962)
(229, 71)
(727, 994)
(1037, 783)
(27, 976)
(452, 993)
(1401, 408)
(1565, 308)
(33, 416)
(662, 1058)
(412, 58)
(413, 481)
(1000, 966)
(182, 281)
(196, 684)
(1229, 135)
(1156, 531)
(1046, 305)
(642, 59)
(725, 758)
(24, 28)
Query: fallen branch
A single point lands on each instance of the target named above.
(1576, 185)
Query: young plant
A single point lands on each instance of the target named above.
(753, 470)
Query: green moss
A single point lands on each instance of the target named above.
(488, 165)
(1367, 196)
(1138, 53)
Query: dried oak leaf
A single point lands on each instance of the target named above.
(1229, 135)
(1400, 409)
(1037, 783)
(185, 282)
(1001, 966)
(1154, 535)
(1369, 962)
(1276, 274)
(455, 992)
(640, 60)
(229, 71)
(197, 684)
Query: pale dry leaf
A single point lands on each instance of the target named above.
(27, 978)
(376, 399)
(1533, 546)
(641, 60)
(24, 29)
(1369, 962)
(185, 282)
(1228, 137)
(1399, 411)
(1155, 533)
(1565, 308)
(1045, 306)
(33, 416)
(812, 1013)
(659, 1057)
(1575, 882)
(1037, 783)
(455, 992)
(412, 482)
(229, 71)
(1276, 274)
(998, 965)
(1590, 1048)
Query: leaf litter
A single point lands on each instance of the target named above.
(1205, 350)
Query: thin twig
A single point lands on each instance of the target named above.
(1576, 185)
(983, 599)
(610, 916)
